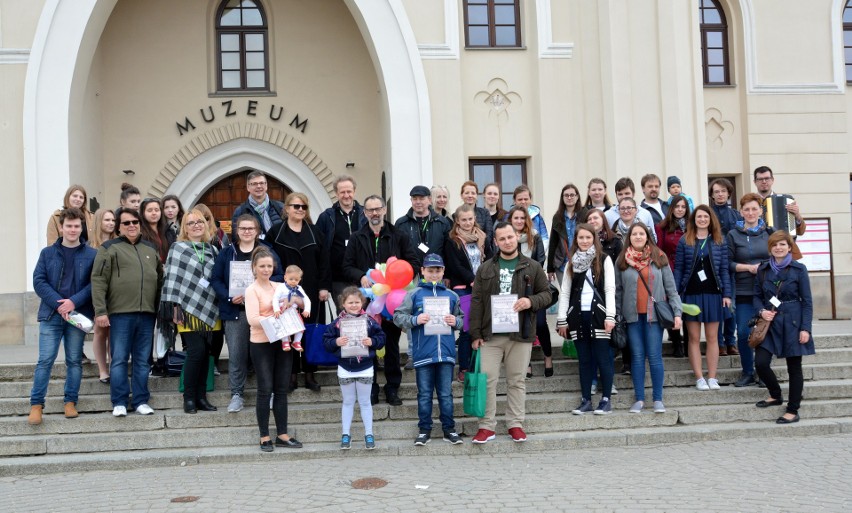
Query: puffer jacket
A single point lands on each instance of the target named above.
(728, 217)
(47, 277)
(428, 349)
(746, 248)
(354, 364)
(685, 259)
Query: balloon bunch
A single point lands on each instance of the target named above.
(390, 283)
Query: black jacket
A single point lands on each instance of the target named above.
(311, 256)
(326, 221)
(363, 251)
(276, 214)
(457, 266)
(436, 235)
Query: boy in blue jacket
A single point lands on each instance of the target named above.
(434, 355)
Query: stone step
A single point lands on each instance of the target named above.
(749, 412)
(122, 458)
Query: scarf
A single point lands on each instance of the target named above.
(638, 259)
(761, 225)
(783, 265)
(262, 210)
(681, 223)
(602, 236)
(582, 260)
(525, 248)
(183, 296)
(476, 235)
(293, 291)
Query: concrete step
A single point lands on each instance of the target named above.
(122, 458)
(749, 412)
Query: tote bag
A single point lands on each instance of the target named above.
(475, 389)
(314, 348)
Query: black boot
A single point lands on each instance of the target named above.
(189, 406)
(677, 349)
(311, 383)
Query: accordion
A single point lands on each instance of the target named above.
(776, 215)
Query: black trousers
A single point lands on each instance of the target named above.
(393, 374)
(197, 347)
(272, 366)
(762, 360)
(542, 331)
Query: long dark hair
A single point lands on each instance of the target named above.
(658, 258)
(669, 224)
(155, 236)
(560, 211)
(172, 197)
(597, 264)
(714, 230)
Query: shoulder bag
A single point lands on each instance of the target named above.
(663, 310)
(759, 325)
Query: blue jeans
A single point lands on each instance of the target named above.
(437, 377)
(50, 334)
(745, 311)
(130, 338)
(646, 341)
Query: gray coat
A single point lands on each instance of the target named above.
(662, 286)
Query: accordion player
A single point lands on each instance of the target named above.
(776, 214)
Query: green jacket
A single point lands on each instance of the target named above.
(126, 277)
(487, 283)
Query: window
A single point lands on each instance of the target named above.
(508, 173)
(492, 23)
(242, 46)
(847, 39)
(714, 43)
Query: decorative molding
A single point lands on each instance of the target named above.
(449, 49)
(497, 98)
(717, 129)
(547, 49)
(14, 55)
(753, 84)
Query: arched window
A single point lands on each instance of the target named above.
(847, 39)
(242, 46)
(714, 43)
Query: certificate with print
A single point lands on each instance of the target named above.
(503, 318)
(240, 278)
(356, 331)
(287, 324)
(437, 308)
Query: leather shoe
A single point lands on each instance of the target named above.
(785, 420)
(745, 380)
(374, 398)
(266, 446)
(204, 405)
(294, 384)
(767, 404)
(291, 443)
(393, 398)
(723, 350)
(311, 383)
(733, 351)
(189, 406)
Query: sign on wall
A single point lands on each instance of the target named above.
(815, 245)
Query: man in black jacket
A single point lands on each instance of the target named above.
(374, 244)
(266, 210)
(427, 231)
(337, 224)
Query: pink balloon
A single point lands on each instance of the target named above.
(391, 260)
(394, 299)
(377, 276)
(399, 274)
(376, 306)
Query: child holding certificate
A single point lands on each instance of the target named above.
(430, 313)
(286, 292)
(355, 337)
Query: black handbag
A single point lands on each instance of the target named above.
(174, 362)
(663, 310)
(618, 335)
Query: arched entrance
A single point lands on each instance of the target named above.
(228, 193)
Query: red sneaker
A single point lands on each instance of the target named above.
(285, 345)
(483, 436)
(517, 435)
(297, 345)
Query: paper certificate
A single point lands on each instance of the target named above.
(437, 308)
(284, 326)
(356, 331)
(503, 318)
(240, 279)
(81, 322)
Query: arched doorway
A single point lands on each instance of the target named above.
(223, 197)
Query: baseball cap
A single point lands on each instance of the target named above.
(433, 260)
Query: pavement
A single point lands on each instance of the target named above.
(809, 474)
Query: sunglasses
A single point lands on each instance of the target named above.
(129, 223)
(299, 206)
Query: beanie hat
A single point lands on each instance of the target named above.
(671, 181)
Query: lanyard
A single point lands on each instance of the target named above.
(376, 254)
(199, 256)
(424, 228)
(348, 219)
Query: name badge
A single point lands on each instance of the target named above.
(702, 275)
(423, 247)
(775, 302)
(261, 236)
(346, 243)
(204, 283)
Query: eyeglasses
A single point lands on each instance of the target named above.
(128, 223)
(257, 184)
(192, 224)
(626, 209)
(569, 195)
(373, 210)
(246, 228)
(299, 206)
(764, 179)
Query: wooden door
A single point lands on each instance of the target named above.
(226, 195)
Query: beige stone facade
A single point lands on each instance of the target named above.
(91, 88)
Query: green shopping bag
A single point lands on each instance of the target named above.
(211, 379)
(475, 389)
(569, 350)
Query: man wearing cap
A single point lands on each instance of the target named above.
(509, 272)
(675, 189)
(373, 244)
(434, 354)
(427, 231)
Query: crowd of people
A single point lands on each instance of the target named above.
(622, 273)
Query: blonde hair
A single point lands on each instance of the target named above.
(207, 215)
(183, 236)
(293, 269)
(99, 238)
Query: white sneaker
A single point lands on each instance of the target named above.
(236, 403)
(614, 390)
(701, 384)
(144, 409)
(659, 407)
(637, 407)
(713, 383)
(119, 411)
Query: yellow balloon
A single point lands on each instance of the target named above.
(380, 289)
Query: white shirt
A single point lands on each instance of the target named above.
(642, 215)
